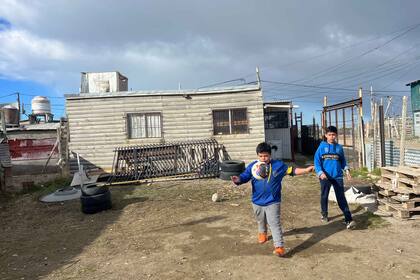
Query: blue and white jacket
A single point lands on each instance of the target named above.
(267, 191)
(329, 159)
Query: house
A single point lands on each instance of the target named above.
(34, 147)
(234, 116)
(415, 105)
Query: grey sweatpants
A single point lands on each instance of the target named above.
(270, 214)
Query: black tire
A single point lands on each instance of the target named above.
(96, 208)
(232, 166)
(364, 189)
(94, 189)
(95, 203)
(224, 175)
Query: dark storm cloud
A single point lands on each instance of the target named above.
(160, 43)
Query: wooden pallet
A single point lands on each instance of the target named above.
(405, 201)
(402, 177)
(394, 190)
(398, 211)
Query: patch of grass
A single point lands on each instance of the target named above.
(372, 221)
(360, 173)
(415, 271)
(37, 190)
(376, 172)
(48, 187)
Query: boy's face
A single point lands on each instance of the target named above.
(331, 137)
(264, 157)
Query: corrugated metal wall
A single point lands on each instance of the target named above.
(392, 155)
(98, 125)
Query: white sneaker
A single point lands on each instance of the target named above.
(350, 225)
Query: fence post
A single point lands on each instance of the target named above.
(375, 128)
(403, 124)
(361, 131)
(382, 133)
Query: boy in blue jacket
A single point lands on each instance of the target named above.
(266, 193)
(329, 165)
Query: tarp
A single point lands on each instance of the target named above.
(354, 196)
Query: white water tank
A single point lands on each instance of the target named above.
(41, 105)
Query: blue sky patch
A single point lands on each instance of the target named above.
(4, 24)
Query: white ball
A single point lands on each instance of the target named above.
(215, 197)
(255, 170)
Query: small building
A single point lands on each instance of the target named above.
(234, 116)
(36, 148)
(35, 152)
(103, 82)
(415, 105)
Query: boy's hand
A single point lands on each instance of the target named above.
(323, 176)
(348, 175)
(309, 169)
(235, 179)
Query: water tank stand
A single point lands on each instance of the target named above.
(48, 117)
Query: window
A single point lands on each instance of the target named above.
(276, 119)
(144, 125)
(230, 121)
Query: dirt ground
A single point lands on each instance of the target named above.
(173, 230)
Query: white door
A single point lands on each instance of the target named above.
(279, 153)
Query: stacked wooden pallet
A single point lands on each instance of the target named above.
(399, 191)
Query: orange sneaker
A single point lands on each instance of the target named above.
(262, 237)
(279, 251)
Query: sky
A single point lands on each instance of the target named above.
(304, 49)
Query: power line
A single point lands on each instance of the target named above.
(329, 69)
(8, 95)
(319, 87)
(52, 97)
(373, 68)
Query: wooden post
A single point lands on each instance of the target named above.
(375, 108)
(314, 128)
(292, 140)
(382, 133)
(344, 126)
(403, 124)
(336, 124)
(329, 118)
(324, 117)
(361, 131)
(353, 139)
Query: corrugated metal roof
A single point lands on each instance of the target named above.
(414, 83)
(38, 126)
(215, 90)
(278, 102)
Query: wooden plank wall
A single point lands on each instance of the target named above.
(98, 125)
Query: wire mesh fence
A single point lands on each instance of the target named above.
(189, 159)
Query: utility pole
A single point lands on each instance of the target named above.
(258, 77)
(403, 124)
(20, 108)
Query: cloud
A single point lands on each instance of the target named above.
(158, 43)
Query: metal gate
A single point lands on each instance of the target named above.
(189, 159)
